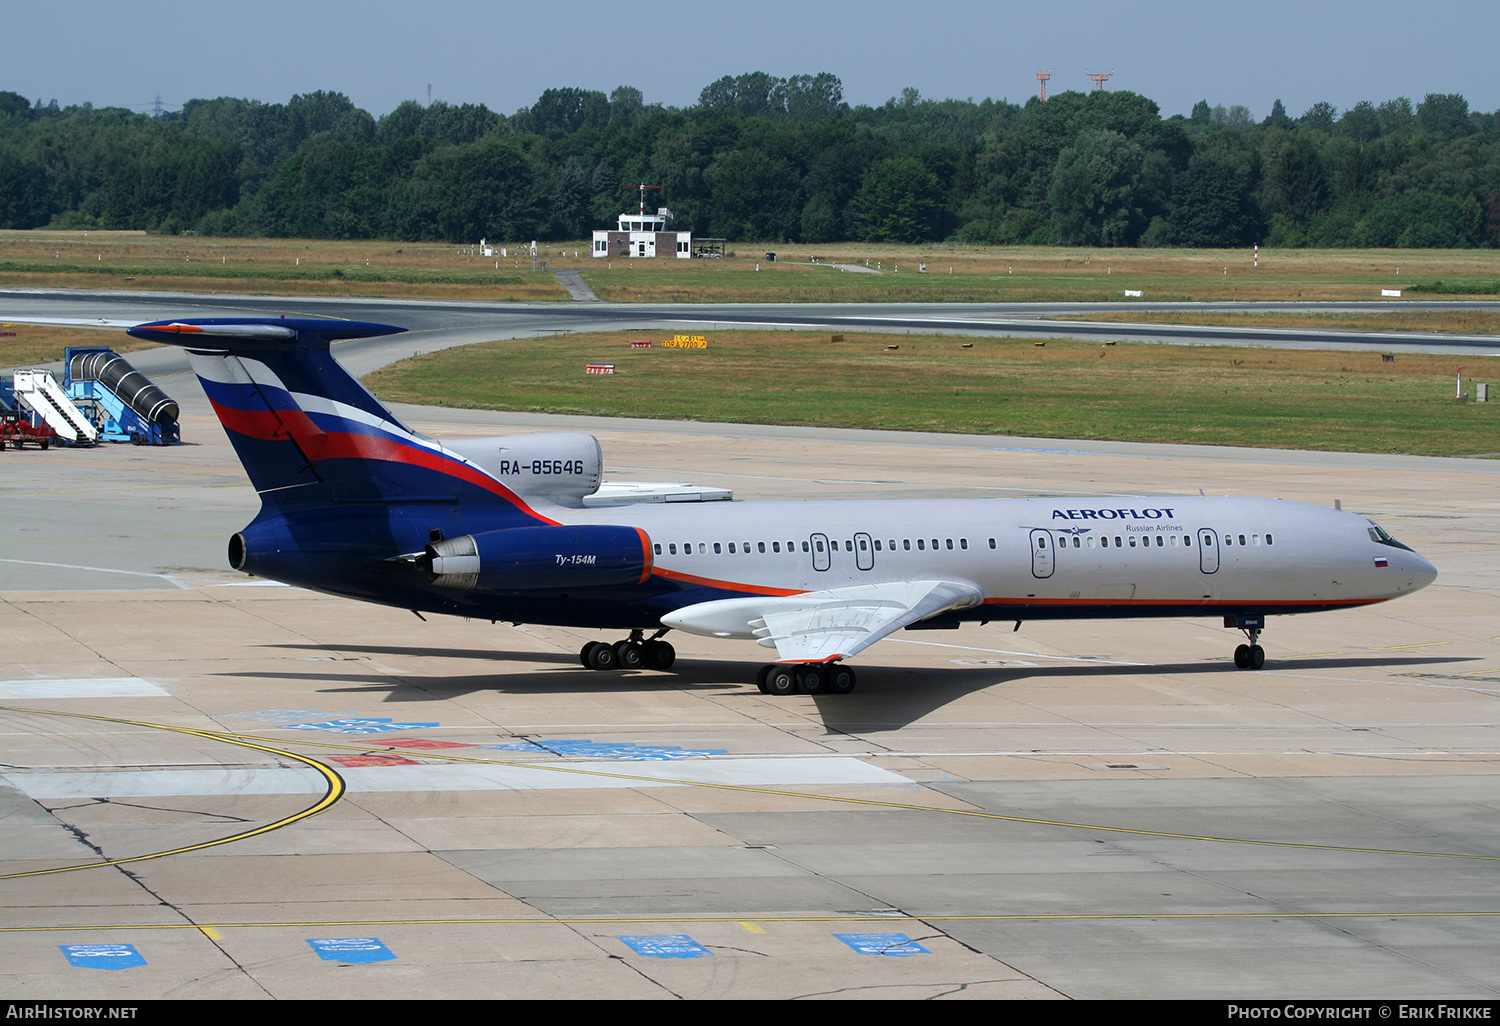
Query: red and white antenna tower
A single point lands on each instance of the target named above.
(1042, 76)
(1099, 78)
(643, 187)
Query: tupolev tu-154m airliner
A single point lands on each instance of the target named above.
(354, 503)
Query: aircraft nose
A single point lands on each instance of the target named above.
(1421, 572)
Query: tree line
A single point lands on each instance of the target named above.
(767, 159)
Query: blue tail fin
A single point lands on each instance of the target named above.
(307, 432)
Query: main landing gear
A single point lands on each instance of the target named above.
(1251, 656)
(633, 653)
(810, 678)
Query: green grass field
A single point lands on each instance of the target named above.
(955, 273)
(1132, 392)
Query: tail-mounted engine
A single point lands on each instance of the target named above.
(557, 558)
(559, 467)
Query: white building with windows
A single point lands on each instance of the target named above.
(640, 234)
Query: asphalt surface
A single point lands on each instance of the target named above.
(1075, 810)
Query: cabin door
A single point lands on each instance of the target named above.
(1041, 553)
(1208, 551)
(864, 552)
(820, 551)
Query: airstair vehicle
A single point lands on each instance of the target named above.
(38, 390)
(125, 405)
(20, 427)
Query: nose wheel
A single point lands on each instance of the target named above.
(1251, 656)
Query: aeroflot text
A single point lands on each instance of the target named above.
(1111, 514)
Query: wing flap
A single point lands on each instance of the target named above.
(817, 626)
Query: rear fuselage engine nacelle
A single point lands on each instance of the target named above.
(535, 559)
(559, 467)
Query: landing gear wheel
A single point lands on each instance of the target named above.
(763, 676)
(1242, 657)
(1257, 657)
(781, 681)
(602, 657)
(660, 655)
(811, 678)
(840, 680)
(586, 655)
(629, 655)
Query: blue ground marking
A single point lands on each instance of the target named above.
(665, 945)
(610, 750)
(357, 726)
(102, 956)
(286, 715)
(895, 945)
(354, 950)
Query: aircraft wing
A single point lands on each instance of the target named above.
(818, 626)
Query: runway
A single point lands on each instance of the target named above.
(1069, 811)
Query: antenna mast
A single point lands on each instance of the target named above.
(1042, 76)
(643, 189)
(1099, 78)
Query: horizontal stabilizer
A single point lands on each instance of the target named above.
(232, 334)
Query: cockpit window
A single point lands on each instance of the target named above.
(1378, 534)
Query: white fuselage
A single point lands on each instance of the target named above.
(1058, 557)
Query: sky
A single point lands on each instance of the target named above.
(505, 53)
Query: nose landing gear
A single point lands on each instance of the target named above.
(1251, 656)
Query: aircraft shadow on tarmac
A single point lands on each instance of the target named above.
(888, 697)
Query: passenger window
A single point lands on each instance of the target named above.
(804, 547)
(745, 547)
(1255, 539)
(731, 547)
(906, 544)
(1242, 539)
(1187, 541)
(657, 548)
(950, 543)
(1160, 541)
(862, 546)
(1077, 543)
(963, 543)
(818, 543)
(1132, 541)
(1268, 539)
(760, 546)
(776, 546)
(921, 544)
(703, 548)
(1119, 543)
(716, 548)
(992, 543)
